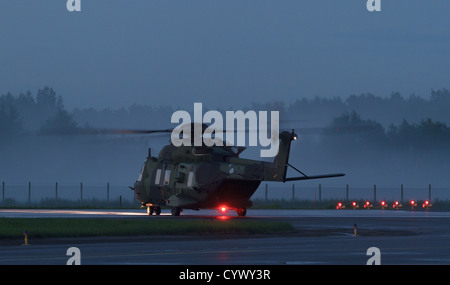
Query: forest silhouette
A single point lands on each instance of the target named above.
(365, 119)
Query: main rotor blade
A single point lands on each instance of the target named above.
(131, 132)
(93, 131)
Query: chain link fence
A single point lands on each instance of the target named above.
(374, 193)
(85, 195)
(61, 195)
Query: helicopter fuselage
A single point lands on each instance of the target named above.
(199, 183)
(191, 177)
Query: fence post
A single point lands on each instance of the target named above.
(3, 192)
(401, 193)
(81, 191)
(107, 193)
(346, 190)
(56, 192)
(374, 193)
(429, 192)
(29, 192)
(293, 190)
(320, 193)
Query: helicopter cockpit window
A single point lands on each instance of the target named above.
(158, 176)
(141, 173)
(166, 177)
(190, 178)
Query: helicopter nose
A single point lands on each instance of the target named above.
(138, 187)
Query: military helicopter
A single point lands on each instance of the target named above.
(205, 177)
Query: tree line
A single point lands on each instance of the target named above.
(365, 119)
(43, 113)
(352, 130)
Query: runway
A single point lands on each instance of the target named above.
(322, 237)
(252, 213)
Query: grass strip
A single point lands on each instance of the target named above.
(72, 227)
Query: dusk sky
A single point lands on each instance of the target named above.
(222, 53)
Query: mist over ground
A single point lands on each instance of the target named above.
(365, 91)
(386, 141)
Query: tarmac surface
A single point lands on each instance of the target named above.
(322, 237)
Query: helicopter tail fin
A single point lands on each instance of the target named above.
(276, 171)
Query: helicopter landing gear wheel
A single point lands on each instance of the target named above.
(153, 209)
(175, 211)
(241, 212)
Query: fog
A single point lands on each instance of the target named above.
(373, 154)
(367, 92)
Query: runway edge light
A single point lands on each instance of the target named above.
(368, 205)
(396, 205)
(413, 204)
(426, 204)
(25, 233)
(340, 205)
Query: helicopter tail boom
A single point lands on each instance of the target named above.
(314, 177)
